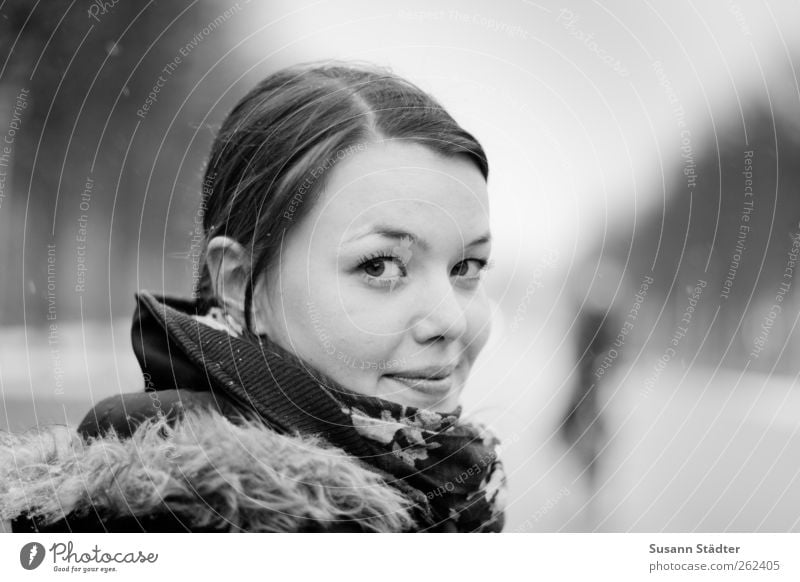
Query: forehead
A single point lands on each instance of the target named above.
(404, 184)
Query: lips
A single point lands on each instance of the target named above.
(436, 372)
(434, 380)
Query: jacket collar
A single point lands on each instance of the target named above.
(202, 474)
(176, 350)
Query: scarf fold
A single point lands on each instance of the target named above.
(446, 466)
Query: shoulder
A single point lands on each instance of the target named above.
(123, 413)
(200, 473)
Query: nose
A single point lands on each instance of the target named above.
(440, 313)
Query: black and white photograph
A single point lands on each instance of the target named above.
(328, 266)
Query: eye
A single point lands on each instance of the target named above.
(382, 269)
(469, 268)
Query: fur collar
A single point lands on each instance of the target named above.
(204, 469)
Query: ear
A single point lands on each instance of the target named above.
(228, 266)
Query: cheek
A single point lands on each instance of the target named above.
(373, 315)
(479, 324)
(365, 325)
(337, 333)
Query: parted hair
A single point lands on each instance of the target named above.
(276, 148)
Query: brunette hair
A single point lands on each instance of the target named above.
(274, 151)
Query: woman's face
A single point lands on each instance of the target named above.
(378, 287)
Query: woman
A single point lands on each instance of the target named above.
(314, 383)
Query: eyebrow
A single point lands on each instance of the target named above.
(398, 234)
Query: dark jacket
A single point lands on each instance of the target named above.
(197, 452)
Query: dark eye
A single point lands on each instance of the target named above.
(375, 268)
(383, 268)
(469, 269)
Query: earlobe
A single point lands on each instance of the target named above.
(228, 266)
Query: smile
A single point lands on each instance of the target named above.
(434, 386)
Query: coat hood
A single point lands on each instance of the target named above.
(205, 472)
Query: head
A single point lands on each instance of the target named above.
(346, 218)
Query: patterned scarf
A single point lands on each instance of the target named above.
(454, 462)
(447, 466)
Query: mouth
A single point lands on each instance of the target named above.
(432, 380)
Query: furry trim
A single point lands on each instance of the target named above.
(206, 470)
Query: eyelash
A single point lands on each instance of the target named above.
(379, 281)
(483, 265)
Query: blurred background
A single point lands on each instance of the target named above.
(645, 187)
